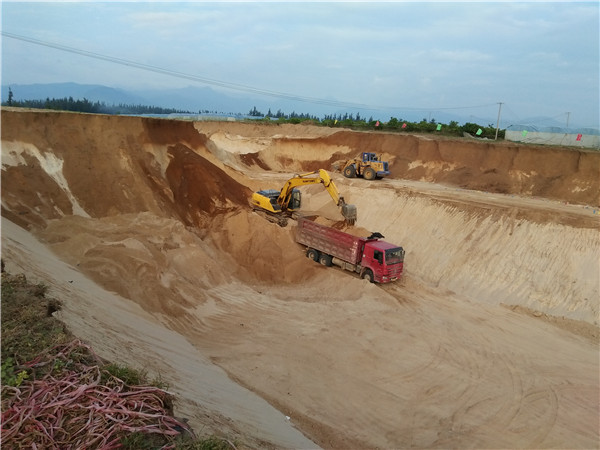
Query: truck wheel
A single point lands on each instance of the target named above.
(350, 172)
(369, 174)
(325, 260)
(368, 275)
(312, 254)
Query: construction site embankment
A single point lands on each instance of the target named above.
(497, 312)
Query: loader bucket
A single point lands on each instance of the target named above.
(349, 213)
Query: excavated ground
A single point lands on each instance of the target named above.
(142, 227)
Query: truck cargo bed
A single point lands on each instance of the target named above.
(328, 240)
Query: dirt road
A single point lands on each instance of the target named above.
(489, 341)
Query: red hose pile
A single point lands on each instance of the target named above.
(75, 405)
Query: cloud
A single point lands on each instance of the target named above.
(459, 56)
(162, 21)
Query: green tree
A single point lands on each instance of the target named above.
(255, 112)
(393, 123)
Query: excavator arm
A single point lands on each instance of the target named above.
(301, 180)
(286, 193)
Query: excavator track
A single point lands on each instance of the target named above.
(279, 219)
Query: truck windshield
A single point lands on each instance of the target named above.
(394, 256)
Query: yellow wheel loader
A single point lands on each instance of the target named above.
(278, 206)
(368, 166)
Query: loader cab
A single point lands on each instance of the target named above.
(368, 157)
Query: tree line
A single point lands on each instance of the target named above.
(394, 124)
(86, 106)
(340, 120)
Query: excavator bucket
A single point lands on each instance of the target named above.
(349, 213)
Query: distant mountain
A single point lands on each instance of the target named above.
(197, 99)
(91, 92)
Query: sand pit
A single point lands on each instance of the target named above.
(142, 228)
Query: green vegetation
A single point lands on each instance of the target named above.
(28, 327)
(404, 126)
(373, 124)
(41, 359)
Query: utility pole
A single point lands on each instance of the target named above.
(568, 115)
(498, 122)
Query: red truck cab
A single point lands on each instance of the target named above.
(385, 260)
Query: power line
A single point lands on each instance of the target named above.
(223, 84)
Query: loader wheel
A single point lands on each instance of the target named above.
(369, 174)
(350, 172)
(368, 275)
(312, 254)
(325, 260)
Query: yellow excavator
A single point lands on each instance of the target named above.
(278, 206)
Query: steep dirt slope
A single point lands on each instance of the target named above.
(156, 212)
(102, 166)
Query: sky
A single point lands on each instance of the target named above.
(534, 58)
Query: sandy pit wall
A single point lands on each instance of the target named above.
(56, 165)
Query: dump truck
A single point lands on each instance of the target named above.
(372, 258)
(368, 166)
(277, 206)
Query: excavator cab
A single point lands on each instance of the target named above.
(296, 200)
(267, 199)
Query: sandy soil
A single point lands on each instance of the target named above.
(142, 228)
